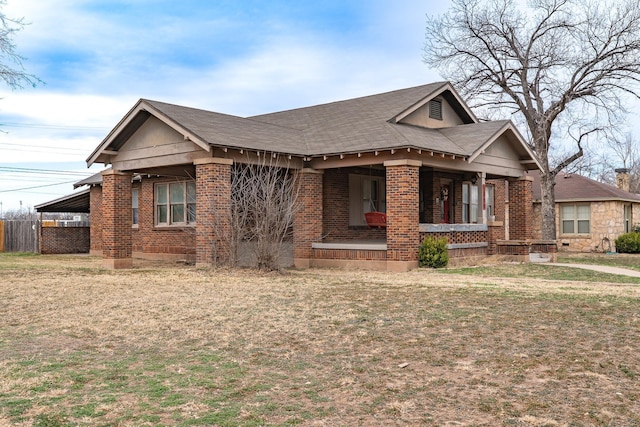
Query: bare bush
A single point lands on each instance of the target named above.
(263, 202)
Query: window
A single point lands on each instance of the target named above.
(627, 219)
(489, 199)
(435, 109)
(134, 206)
(366, 194)
(575, 219)
(175, 203)
(373, 199)
(469, 202)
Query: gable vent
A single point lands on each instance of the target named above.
(435, 109)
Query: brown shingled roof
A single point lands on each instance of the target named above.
(574, 188)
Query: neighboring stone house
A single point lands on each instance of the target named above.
(418, 155)
(590, 215)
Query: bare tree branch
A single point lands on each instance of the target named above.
(12, 72)
(554, 64)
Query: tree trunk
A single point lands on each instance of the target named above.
(548, 205)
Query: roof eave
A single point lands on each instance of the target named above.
(102, 154)
(530, 163)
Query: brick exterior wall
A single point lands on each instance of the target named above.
(151, 240)
(65, 240)
(403, 235)
(116, 219)
(308, 218)
(521, 209)
(95, 216)
(213, 211)
(335, 196)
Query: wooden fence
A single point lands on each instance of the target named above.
(19, 236)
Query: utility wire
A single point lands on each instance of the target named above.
(58, 127)
(24, 146)
(36, 186)
(51, 171)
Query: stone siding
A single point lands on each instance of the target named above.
(606, 224)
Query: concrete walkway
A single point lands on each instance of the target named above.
(600, 268)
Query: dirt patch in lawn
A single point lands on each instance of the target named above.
(173, 345)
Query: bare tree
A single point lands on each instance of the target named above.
(11, 69)
(622, 152)
(554, 64)
(263, 202)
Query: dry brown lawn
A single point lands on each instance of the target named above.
(174, 345)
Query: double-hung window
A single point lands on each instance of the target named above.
(175, 203)
(575, 218)
(469, 202)
(134, 206)
(627, 219)
(489, 198)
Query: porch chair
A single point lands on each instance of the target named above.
(376, 219)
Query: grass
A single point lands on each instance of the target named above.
(614, 260)
(174, 345)
(543, 271)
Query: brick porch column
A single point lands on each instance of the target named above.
(521, 208)
(213, 211)
(307, 219)
(403, 209)
(95, 217)
(116, 219)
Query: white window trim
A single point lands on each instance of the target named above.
(135, 207)
(468, 213)
(574, 219)
(490, 200)
(169, 222)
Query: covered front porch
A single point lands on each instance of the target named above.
(479, 213)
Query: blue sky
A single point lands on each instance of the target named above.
(98, 57)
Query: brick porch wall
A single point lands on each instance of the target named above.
(65, 240)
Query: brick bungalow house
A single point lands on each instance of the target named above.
(590, 215)
(418, 155)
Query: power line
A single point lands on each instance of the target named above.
(36, 186)
(40, 146)
(51, 171)
(54, 127)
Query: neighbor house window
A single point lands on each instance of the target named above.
(627, 218)
(489, 199)
(175, 203)
(366, 194)
(134, 206)
(435, 109)
(469, 202)
(575, 219)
